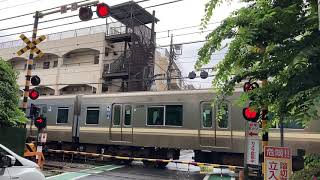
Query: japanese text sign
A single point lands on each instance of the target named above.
(278, 163)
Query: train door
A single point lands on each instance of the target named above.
(121, 124)
(223, 126)
(207, 130)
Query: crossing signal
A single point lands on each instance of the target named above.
(103, 10)
(33, 94)
(40, 122)
(250, 114)
(35, 81)
(85, 13)
(250, 86)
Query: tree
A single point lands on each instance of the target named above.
(10, 114)
(277, 40)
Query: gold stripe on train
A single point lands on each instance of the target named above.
(185, 132)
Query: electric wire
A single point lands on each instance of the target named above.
(76, 21)
(31, 13)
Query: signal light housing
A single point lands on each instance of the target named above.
(192, 75)
(35, 80)
(33, 94)
(250, 114)
(85, 13)
(204, 74)
(103, 10)
(40, 122)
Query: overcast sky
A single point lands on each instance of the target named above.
(171, 16)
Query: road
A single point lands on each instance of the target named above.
(138, 172)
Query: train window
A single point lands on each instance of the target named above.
(127, 115)
(92, 115)
(63, 114)
(155, 115)
(206, 115)
(116, 115)
(223, 115)
(174, 115)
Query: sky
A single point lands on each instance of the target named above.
(172, 16)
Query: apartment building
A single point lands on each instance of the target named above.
(116, 57)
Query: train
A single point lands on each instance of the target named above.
(160, 125)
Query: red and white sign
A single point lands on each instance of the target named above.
(278, 163)
(253, 152)
(253, 130)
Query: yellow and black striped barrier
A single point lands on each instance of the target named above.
(205, 165)
(31, 45)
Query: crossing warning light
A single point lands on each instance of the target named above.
(40, 122)
(85, 13)
(103, 10)
(250, 114)
(35, 80)
(33, 94)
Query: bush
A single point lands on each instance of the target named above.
(10, 114)
(311, 168)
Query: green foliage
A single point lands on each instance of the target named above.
(311, 168)
(10, 114)
(276, 40)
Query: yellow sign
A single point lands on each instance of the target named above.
(278, 163)
(206, 169)
(31, 45)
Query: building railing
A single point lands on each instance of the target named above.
(110, 29)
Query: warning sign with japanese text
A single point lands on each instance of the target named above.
(278, 163)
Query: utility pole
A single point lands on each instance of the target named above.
(30, 66)
(171, 56)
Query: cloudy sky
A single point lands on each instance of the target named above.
(172, 16)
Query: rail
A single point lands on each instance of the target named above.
(110, 29)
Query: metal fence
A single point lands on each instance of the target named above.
(109, 29)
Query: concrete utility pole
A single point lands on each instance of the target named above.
(171, 58)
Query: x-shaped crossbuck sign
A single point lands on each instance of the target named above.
(31, 45)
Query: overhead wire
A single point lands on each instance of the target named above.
(186, 27)
(77, 21)
(32, 13)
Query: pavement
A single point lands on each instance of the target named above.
(137, 171)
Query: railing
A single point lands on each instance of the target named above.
(119, 65)
(109, 29)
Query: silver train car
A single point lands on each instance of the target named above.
(159, 125)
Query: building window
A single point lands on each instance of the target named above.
(92, 115)
(96, 60)
(55, 64)
(127, 115)
(206, 115)
(116, 115)
(63, 114)
(155, 115)
(46, 65)
(174, 115)
(223, 115)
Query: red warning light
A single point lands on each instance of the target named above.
(39, 120)
(250, 114)
(103, 10)
(33, 94)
